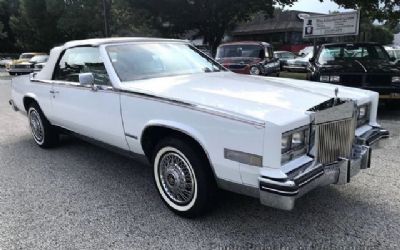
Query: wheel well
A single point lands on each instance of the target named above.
(28, 101)
(152, 135)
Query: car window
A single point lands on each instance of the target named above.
(26, 56)
(253, 51)
(352, 52)
(150, 60)
(288, 56)
(81, 60)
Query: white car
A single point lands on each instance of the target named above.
(199, 125)
(306, 50)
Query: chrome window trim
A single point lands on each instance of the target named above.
(73, 85)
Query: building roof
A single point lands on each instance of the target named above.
(282, 21)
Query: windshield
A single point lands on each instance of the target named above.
(39, 59)
(147, 60)
(26, 56)
(394, 53)
(255, 51)
(351, 52)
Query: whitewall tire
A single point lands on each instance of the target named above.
(183, 177)
(43, 133)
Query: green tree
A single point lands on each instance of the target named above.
(36, 24)
(7, 38)
(210, 18)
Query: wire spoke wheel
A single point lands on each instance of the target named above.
(177, 178)
(36, 125)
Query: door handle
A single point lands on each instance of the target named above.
(54, 92)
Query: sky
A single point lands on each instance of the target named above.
(316, 6)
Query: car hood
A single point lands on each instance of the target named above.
(266, 99)
(361, 66)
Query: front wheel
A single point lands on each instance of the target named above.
(44, 134)
(183, 178)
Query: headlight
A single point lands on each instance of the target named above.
(334, 79)
(254, 70)
(286, 139)
(363, 114)
(396, 79)
(294, 143)
(324, 78)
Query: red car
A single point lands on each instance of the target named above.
(254, 58)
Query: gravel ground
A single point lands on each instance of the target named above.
(78, 196)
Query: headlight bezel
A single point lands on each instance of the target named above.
(364, 119)
(395, 79)
(295, 150)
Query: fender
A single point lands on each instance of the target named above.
(183, 128)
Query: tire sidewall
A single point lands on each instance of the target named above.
(158, 156)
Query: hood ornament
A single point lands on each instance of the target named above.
(336, 96)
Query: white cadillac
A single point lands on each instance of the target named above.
(201, 126)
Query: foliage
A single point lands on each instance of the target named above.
(211, 18)
(381, 10)
(41, 24)
(7, 38)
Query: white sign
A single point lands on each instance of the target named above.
(344, 24)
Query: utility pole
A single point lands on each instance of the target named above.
(106, 14)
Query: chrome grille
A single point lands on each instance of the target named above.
(334, 140)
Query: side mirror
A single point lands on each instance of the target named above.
(86, 79)
(312, 60)
(393, 59)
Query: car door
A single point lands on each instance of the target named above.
(92, 112)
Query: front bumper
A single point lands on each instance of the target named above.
(282, 194)
(20, 70)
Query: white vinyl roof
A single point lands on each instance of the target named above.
(100, 41)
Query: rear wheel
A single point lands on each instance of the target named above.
(43, 133)
(183, 178)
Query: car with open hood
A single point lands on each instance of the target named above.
(360, 65)
(254, 58)
(200, 126)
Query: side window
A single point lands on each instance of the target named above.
(81, 60)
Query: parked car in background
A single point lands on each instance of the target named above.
(283, 57)
(5, 61)
(199, 125)
(38, 62)
(254, 58)
(361, 65)
(306, 50)
(299, 64)
(22, 65)
(394, 52)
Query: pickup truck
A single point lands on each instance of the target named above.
(200, 126)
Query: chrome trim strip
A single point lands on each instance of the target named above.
(74, 85)
(243, 157)
(192, 106)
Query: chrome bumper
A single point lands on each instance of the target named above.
(282, 194)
